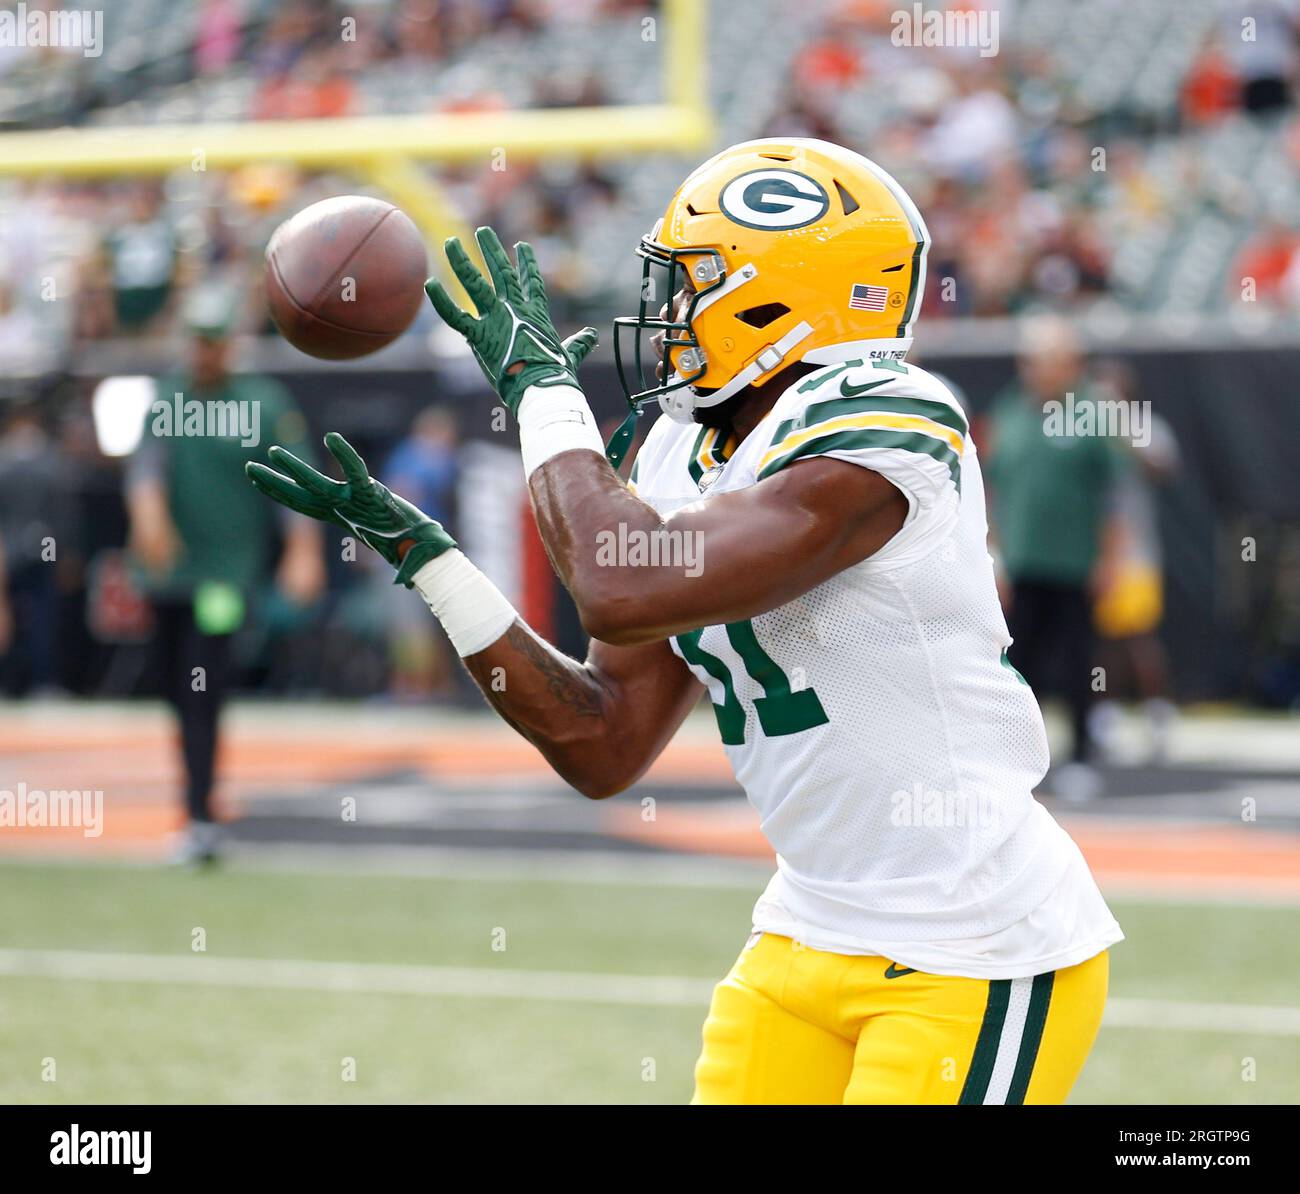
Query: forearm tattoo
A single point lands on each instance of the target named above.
(567, 688)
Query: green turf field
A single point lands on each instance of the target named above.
(464, 1025)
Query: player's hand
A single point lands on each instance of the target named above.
(513, 338)
(300, 575)
(407, 538)
(154, 541)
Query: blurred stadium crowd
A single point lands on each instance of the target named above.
(1195, 188)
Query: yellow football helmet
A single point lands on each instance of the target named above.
(795, 250)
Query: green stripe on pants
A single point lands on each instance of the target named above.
(986, 1048)
(1040, 1000)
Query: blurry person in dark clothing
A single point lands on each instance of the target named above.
(143, 259)
(205, 550)
(1050, 499)
(1266, 60)
(6, 610)
(1129, 610)
(425, 462)
(36, 523)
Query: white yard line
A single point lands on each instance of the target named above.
(634, 990)
(369, 978)
(1177, 1016)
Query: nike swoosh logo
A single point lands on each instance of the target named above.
(853, 391)
(894, 972)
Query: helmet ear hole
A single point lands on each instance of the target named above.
(760, 317)
(847, 201)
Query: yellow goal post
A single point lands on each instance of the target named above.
(384, 150)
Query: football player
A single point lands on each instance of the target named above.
(931, 935)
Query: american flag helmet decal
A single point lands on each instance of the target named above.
(868, 298)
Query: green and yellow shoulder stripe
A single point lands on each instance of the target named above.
(709, 451)
(866, 413)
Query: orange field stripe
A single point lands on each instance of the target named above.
(1115, 849)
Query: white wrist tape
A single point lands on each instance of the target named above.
(555, 419)
(472, 610)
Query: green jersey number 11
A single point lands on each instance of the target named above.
(780, 710)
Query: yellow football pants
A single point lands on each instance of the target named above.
(791, 1024)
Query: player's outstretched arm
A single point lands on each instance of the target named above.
(600, 724)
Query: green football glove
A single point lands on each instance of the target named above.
(513, 338)
(405, 537)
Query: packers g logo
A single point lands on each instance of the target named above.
(775, 200)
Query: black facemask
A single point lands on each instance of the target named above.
(707, 270)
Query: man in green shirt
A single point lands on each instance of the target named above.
(204, 541)
(142, 260)
(1052, 465)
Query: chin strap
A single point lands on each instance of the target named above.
(769, 359)
(766, 362)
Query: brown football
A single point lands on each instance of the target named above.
(345, 276)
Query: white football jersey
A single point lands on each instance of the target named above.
(875, 723)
